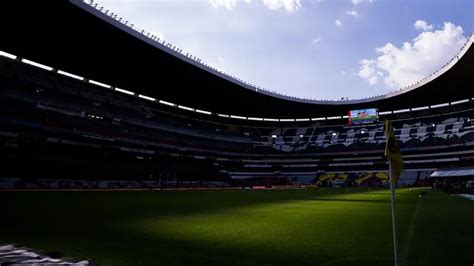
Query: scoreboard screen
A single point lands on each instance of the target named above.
(363, 116)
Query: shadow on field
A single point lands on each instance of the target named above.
(95, 225)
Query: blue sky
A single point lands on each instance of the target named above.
(320, 49)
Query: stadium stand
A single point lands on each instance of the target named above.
(71, 129)
(102, 129)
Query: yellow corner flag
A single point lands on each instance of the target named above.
(392, 152)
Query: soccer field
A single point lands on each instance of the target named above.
(242, 227)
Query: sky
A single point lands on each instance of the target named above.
(313, 49)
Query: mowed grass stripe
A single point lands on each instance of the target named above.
(283, 227)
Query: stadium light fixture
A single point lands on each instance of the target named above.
(461, 101)
(401, 111)
(99, 84)
(420, 108)
(238, 117)
(146, 97)
(185, 108)
(32, 63)
(203, 112)
(64, 73)
(166, 103)
(8, 55)
(439, 105)
(124, 91)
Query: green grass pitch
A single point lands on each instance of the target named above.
(242, 227)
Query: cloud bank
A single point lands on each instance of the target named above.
(398, 67)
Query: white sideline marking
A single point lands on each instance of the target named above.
(411, 232)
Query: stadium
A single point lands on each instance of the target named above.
(110, 157)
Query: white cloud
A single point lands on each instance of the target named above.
(316, 40)
(219, 64)
(288, 5)
(356, 2)
(405, 65)
(368, 71)
(338, 23)
(352, 13)
(227, 4)
(422, 25)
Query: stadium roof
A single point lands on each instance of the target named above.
(76, 37)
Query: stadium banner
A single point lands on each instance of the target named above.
(363, 116)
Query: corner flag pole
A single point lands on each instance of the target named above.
(394, 218)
